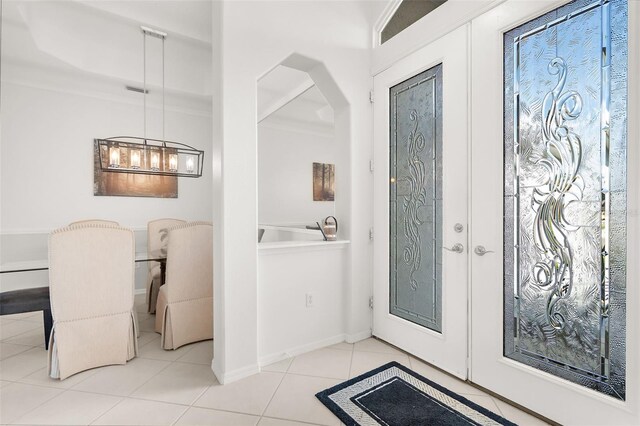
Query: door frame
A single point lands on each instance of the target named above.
(555, 398)
(451, 352)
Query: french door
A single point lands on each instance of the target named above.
(420, 203)
(548, 185)
(554, 208)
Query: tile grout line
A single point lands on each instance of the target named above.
(351, 361)
(469, 396)
(129, 395)
(22, 333)
(137, 398)
(152, 377)
(17, 353)
(170, 363)
(286, 371)
(191, 405)
(227, 411)
(18, 380)
(196, 399)
(21, 379)
(103, 414)
(495, 402)
(276, 391)
(497, 406)
(289, 420)
(38, 406)
(316, 377)
(109, 409)
(122, 398)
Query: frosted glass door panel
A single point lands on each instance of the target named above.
(565, 193)
(415, 205)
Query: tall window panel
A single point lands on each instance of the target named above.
(415, 204)
(565, 100)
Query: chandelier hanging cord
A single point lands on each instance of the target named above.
(144, 83)
(160, 157)
(146, 31)
(163, 39)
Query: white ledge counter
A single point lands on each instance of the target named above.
(264, 248)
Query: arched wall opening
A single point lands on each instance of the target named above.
(303, 282)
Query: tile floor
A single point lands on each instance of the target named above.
(178, 388)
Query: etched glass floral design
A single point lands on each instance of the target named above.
(415, 206)
(565, 193)
(563, 186)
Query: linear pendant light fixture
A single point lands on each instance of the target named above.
(130, 154)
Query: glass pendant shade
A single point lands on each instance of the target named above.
(135, 159)
(114, 157)
(173, 163)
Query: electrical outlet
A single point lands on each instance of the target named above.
(309, 300)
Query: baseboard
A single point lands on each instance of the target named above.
(356, 337)
(231, 376)
(226, 377)
(298, 350)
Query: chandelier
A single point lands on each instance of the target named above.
(142, 155)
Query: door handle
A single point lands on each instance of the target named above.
(457, 248)
(481, 251)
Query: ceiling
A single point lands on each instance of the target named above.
(100, 43)
(288, 98)
(81, 44)
(188, 18)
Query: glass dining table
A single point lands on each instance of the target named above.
(43, 264)
(37, 298)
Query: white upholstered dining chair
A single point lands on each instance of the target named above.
(104, 222)
(185, 303)
(91, 284)
(156, 229)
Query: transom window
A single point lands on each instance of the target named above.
(407, 13)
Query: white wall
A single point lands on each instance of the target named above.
(219, 320)
(286, 325)
(55, 99)
(256, 37)
(285, 175)
(47, 160)
(49, 122)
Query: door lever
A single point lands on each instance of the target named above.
(457, 248)
(481, 251)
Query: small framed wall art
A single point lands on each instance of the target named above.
(324, 178)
